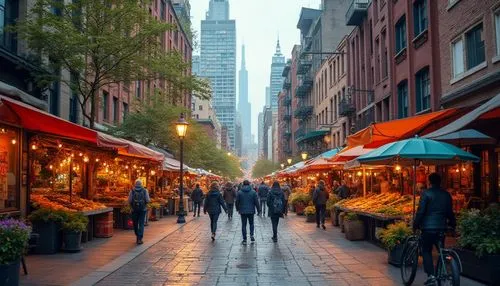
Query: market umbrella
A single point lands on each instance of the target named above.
(465, 137)
(410, 152)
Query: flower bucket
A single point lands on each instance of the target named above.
(9, 273)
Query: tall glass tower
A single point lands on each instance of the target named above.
(276, 78)
(218, 63)
(244, 107)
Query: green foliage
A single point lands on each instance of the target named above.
(480, 230)
(126, 210)
(75, 222)
(48, 215)
(264, 167)
(310, 210)
(103, 42)
(332, 200)
(351, 217)
(14, 236)
(395, 234)
(299, 197)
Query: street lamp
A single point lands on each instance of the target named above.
(181, 127)
(304, 155)
(289, 160)
(229, 153)
(282, 165)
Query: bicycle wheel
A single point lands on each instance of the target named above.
(448, 274)
(409, 261)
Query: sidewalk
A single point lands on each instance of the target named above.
(99, 257)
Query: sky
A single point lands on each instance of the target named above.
(258, 25)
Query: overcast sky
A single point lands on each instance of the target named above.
(258, 23)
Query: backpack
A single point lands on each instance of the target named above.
(138, 200)
(277, 205)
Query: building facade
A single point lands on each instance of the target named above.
(218, 63)
(260, 135)
(285, 115)
(244, 106)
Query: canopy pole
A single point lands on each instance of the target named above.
(364, 182)
(414, 188)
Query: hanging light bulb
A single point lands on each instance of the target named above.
(33, 146)
(60, 145)
(457, 171)
(398, 168)
(85, 159)
(97, 159)
(14, 141)
(51, 167)
(126, 167)
(80, 154)
(464, 169)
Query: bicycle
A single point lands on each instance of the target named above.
(448, 267)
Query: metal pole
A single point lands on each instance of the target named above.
(180, 214)
(364, 182)
(71, 180)
(414, 188)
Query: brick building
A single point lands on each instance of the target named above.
(285, 115)
(295, 100)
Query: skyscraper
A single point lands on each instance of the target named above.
(218, 63)
(268, 96)
(244, 107)
(276, 78)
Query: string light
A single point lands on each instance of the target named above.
(464, 169)
(60, 145)
(33, 147)
(51, 167)
(80, 154)
(398, 168)
(153, 172)
(126, 167)
(85, 159)
(457, 171)
(14, 141)
(97, 159)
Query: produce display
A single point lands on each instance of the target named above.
(58, 201)
(391, 204)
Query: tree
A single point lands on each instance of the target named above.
(101, 43)
(264, 167)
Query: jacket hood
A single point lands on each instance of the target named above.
(138, 188)
(246, 188)
(213, 192)
(275, 190)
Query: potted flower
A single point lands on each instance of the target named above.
(393, 237)
(354, 227)
(14, 235)
(330, 208)
(72, 227)
(155, 211)
(47, 223)
(126, 213)
(300, 201)
(479, 244)
(310, 213)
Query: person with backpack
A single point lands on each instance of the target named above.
(213, 204)
(276, 207)
(320, 196)
(197, 198)
(229, 195)
(246, 203)
(286, 191)
(138, 199)
(263, 191)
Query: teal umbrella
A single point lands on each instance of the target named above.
(415, 150)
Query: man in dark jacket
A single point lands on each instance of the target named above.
(276, 204)
(197, 198)
(320, 196)
(246, 204)
(213, 203)
(263, 191)
(434, 214)
(343, 191)
(138, 198)
(286, 192)
(229, 197)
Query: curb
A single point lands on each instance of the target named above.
(104, 271)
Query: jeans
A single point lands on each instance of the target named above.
(430, 239)
(263, 203)
(275, 220)
(195, 204)
(320, 214)
(230, 209)
(244, 219)
(138, 218)
(213, 222)
(286, 207)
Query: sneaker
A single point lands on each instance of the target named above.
(275, 239)
(431, 280)
(323, 226)
(213, 236)
(252, 239)
(140, 241)
(244, 242)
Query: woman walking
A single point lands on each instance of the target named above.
(276, 207)
(213, 203)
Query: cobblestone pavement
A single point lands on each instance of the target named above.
(303, 255)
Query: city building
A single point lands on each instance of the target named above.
(268, 96)
(276, 77)
(218, 63)
(238, 137)
(285, 115)
(260, 135)
(267, 140)
(244, 106)
(203, 112)
(292, 75)
(224, 139)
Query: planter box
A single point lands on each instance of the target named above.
(394, 255)
(50, 237)
(72, 241)
(485, 269)
(299, 208)
(354, 230)
(341, 221)
(311, 218)
(9, 273)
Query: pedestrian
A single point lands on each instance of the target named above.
(320, 196)
(343, 191)
(213, 204)
(197, 198)
(276, 204)
(138, 198)
(229, 197)
(263, 191)
(246, 204)
(286, 191)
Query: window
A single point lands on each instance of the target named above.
(116, 119)
(403, 99)
(105, 103)
(124, 110)
(419, 17)
(468, 51)
(200, 107)
(8, 16)
(57, 6)
(385, 68)
(423, 89)
(9, 163)
(401, 34)
(138, 89)
(73, 100)
(163, 6)
(497, 31)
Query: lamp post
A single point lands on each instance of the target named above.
(282, 165)
(289, 160)
(181, 127)
(304, 155)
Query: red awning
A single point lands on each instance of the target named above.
(128, 148)
(36, 120)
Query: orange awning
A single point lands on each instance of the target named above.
(378, 134)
